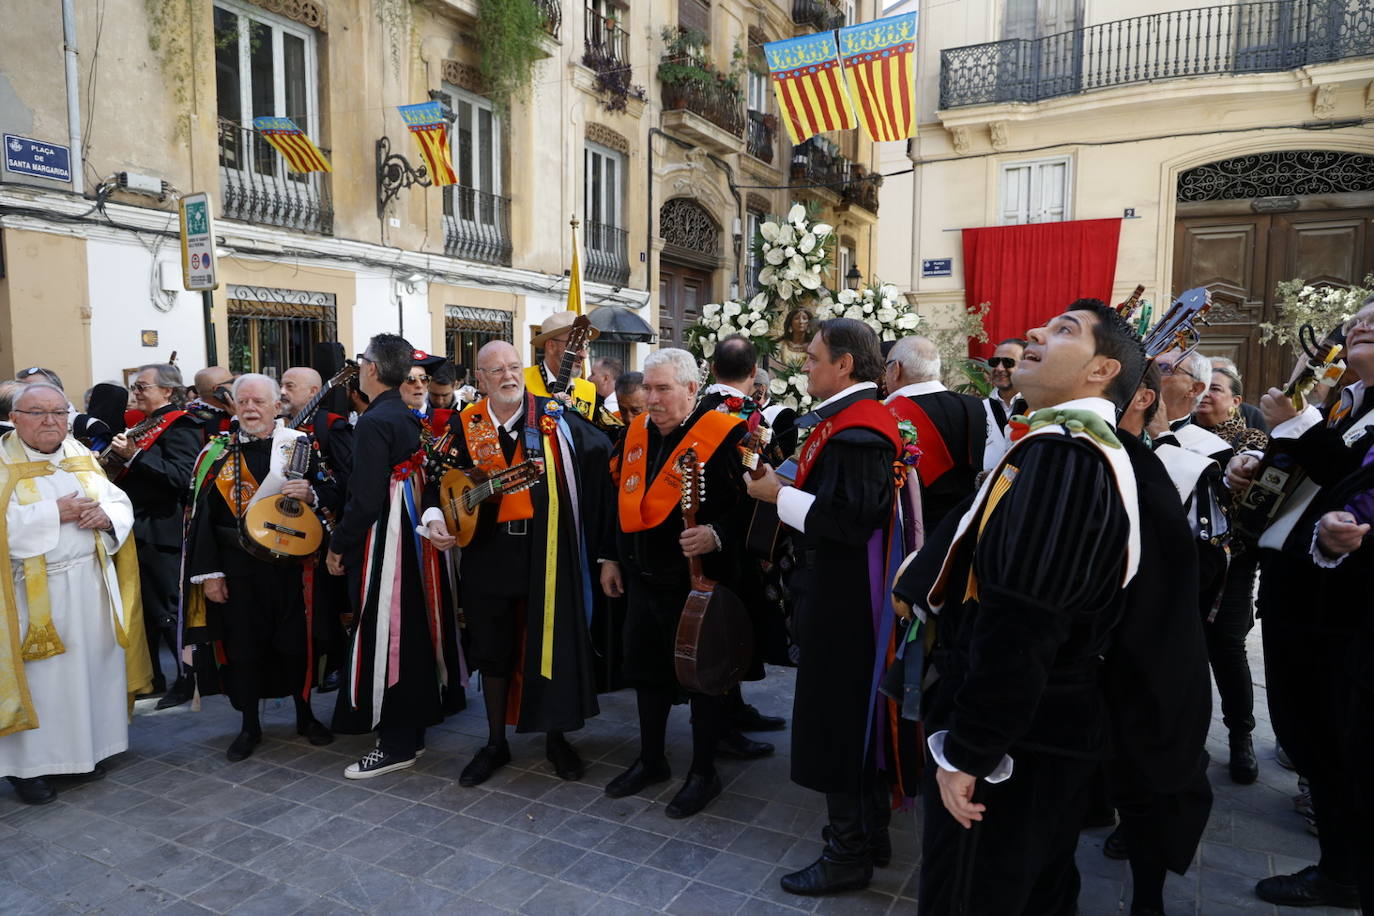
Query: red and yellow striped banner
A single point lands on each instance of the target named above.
(809, 86)
(879, 65)
(295, 147)
(427, 123)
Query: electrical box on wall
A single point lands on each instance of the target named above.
(169, 276)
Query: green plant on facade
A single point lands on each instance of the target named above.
(953, 341)
(1321, 307)
(686, 60)
(171, 36)
(510, 43)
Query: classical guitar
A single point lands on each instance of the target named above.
(765, 528)
(468, 498)
(715, 637)
(577, 342)
(307, 414)
(282, 528)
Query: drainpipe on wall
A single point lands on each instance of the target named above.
(73, 95)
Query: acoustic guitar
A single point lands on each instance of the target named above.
(307, 414)
(715, 637)
(468, 498)
(282, 528)
(577, 342)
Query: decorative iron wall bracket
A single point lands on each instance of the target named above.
(394, 172)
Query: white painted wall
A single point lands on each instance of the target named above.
(385, 305)
(123, 279)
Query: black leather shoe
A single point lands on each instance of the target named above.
(1115, 847)
(242, 747)
(696, 793)
(1308, 887)
(1244, 767)
(488, 760)
(33, 791)
(315, 732)
(879, 846)
(565, 761)
(736, 745)
(829, 875)
(181, 691)
(749, 719)
(637, 778)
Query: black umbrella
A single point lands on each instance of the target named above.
(622, 324)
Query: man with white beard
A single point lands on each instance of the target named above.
(72, 651)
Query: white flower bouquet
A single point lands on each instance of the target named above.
(878, 305)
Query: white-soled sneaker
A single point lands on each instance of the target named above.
(377, 762)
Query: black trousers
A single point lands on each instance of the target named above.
(1310, 694)
(1360, 747)
(1020, 858)
(1226, 634)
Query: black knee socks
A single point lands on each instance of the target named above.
(707, 716)
(494, 692)
(654, 706)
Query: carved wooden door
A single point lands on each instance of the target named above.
(682, 291)
(1242, 258)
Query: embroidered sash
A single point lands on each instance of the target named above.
(484, 448)
(644, 504)
(866, 414)
(582, 391)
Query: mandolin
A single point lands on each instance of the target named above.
(577, 342)
(468, 499)
(282, 528)
(715, 637)
(307, 414)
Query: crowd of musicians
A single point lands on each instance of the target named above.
(1005, 606)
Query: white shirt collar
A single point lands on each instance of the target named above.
(1353, 394)
(509, 425)
(728, 390)
(916, 388)
(1100, 406)
(859, 386)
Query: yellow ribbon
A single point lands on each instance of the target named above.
(550, 560)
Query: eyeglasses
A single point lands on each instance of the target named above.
(1003, 362)
(53, 415)
(1351, 324)
(497, 371)
(364, 359)
(1165, 368)
(141, 386)
(418, 379)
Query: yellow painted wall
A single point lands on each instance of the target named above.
(44, 308)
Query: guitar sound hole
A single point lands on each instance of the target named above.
(290, 507)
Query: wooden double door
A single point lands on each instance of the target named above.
(682, 291)
(1242, 257)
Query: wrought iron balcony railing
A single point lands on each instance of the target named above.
(709, 97)
(862, 190)
(552, 11)
(813, 164)
(257, 187)
(477, 225)
(759, 141)
(1240, 38)
(817, 14)
(607, 42)
(608, 256)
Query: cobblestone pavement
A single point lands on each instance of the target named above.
(176, 828)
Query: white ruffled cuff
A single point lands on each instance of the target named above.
(936, 743)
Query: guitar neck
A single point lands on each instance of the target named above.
(699, 580)
(565, 370)
(308, 411)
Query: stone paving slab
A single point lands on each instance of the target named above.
(177, 829)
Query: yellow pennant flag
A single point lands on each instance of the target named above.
(575, 277)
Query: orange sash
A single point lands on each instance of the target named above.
(484, 447)
(248, 484)
(645, 505)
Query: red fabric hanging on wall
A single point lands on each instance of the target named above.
(1030, 273)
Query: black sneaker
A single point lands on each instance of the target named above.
(376, 762)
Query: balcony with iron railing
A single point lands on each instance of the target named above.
(607, 42)
(552, 11)
(257, 187)
(1207, 41)
(707, 94)
(608, 255)
(760, 140)
(862, 189)
(817, 14)
(816, 162)
(477, 225)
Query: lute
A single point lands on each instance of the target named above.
(283, 528)
(715, 637)
(468, 498)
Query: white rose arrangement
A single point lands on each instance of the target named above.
(878, 305)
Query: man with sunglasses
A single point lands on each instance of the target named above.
(1003, 403)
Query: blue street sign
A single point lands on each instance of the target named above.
(41, 160)
(937, 267)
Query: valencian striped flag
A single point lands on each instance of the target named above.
(286, 138)
(426, 121)
(879, 59)
(806, 78)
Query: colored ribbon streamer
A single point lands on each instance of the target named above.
(550, 556)
(807, 81)
(300, 154)
(427, 123)
(879, 61)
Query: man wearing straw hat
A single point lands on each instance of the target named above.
(553, 337)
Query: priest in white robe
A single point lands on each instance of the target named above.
(71, 647)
